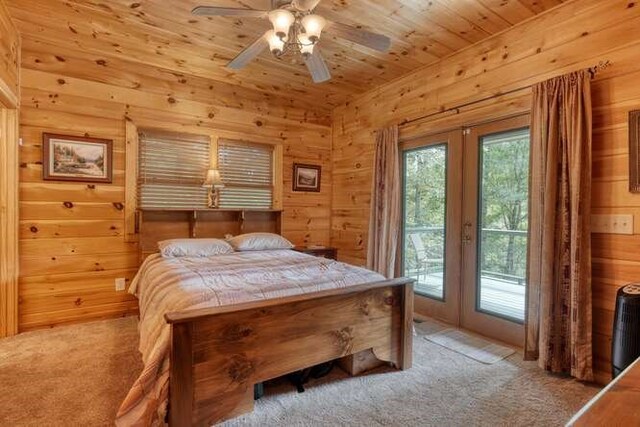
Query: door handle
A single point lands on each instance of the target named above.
(466, 233)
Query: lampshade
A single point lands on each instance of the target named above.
(213, 179)
(313, 26)
(276, 44)
(306, 45)
(281, 20)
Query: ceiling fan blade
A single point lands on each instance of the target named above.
(228, 11)
(277, 4)
(305, 4)
(249, 54)
(362, 37)
(318, 67)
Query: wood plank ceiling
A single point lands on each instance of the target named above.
(164, 34)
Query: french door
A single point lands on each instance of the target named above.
(465, 228)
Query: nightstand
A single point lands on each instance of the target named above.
(324, 251)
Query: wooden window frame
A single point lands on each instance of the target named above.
(132, 169)
(277, 166)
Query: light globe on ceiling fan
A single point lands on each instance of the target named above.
(297, 30)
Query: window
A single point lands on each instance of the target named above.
(248, 174)
(172, 168)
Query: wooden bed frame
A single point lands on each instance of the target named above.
(219, 353)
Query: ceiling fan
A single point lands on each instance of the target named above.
(296, 32)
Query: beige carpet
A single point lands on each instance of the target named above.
(77, 376)
(68, 376)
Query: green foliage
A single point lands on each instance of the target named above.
(504, 202)
(503, 210)
(425, 201)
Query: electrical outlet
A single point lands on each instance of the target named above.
(121, 284)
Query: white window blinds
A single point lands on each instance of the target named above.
(172, 169)
(247, 173)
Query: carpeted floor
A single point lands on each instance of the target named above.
(77, 376)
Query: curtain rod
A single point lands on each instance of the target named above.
(592, 70)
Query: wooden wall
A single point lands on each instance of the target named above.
(9, 95)
(575, 35)
(9, 58)
(70, 256)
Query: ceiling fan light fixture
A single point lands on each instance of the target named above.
(306, 45)
(313, 26)
(281, 19)
(276, 44)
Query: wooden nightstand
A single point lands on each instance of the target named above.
(325, 251)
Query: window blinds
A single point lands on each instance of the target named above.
(247, 173)
(172, 169)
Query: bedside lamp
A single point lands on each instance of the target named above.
(213, 181)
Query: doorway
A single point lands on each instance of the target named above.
(465, 226)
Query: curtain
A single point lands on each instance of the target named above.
(384, 224)
(558, 321)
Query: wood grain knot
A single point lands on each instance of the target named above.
(390, 300)
(236, 333)
(364, 308)
(119, 206)
(33, 229)
(91, 186)
(343, 339)
(68, 205)
(240, 368)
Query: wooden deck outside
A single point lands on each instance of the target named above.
(502, 297)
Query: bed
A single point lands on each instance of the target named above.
(211, 328)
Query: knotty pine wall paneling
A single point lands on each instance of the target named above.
(9, 59)
(73, 238)
(577, 34)
(9, 98)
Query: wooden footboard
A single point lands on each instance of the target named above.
(218, 354)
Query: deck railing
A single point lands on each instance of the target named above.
(433, 232)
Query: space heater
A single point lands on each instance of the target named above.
(625, 348)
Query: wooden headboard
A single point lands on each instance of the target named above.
(156, 225)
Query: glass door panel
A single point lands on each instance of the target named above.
(503, 223)
(425, 210)
(432, 217)
(496, 223)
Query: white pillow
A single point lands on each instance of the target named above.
(174, 248)
(259, 242)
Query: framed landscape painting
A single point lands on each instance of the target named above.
(306, 177)
(80, 159)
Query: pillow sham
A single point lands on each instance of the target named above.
(174, 248)
(259, 242)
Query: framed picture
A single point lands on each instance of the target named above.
(80, 159)
(306, 177)
(634, 151)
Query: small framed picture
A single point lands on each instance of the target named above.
(306, 177)
(80, 159)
